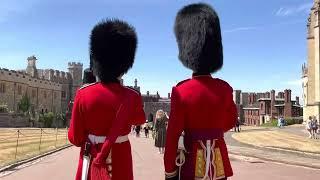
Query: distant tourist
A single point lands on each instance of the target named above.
(281, 122)
(138, 129)
(314, 127)
(309, 127)
(237, 126)
(146, 130)
(160, 130)
(318, 131)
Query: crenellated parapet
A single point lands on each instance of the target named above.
(68, 77)
(20, 77)
(75, 65)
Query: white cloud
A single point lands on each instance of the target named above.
(287, 11)
(297, 82)
(240, 29)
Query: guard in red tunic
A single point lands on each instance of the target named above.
(103, 112)
(202, 107)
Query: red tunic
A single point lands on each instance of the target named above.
(94, 110)
(199, 104)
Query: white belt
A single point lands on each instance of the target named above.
(100, 139)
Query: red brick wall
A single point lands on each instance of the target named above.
(272, 109)
(287, 103)
(262, 107)
(252, 117)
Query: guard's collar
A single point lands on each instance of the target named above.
(197, 75)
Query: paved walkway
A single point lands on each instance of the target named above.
(148, 165)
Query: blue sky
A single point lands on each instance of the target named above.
(264, 41)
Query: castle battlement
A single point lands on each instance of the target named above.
(21, 77)
(48, 89)
(75, 65)
(33, 57)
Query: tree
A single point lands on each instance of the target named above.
(48, 119)
(63, 119)
(3, 108)
(24, 104)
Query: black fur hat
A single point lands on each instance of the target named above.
(112, 49)
(198, 34)
(88, 76)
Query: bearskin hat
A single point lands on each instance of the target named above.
(198, 34)
(112, 48)
(88, 76)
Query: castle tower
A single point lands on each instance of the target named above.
(311, 72)
(75, 69)
(31, 68)
(135, 83)
(237, 96)
(136, 87)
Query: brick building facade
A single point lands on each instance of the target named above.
(259, 108)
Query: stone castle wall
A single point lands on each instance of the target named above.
(43, 94)
(153, 107)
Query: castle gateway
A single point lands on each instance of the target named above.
(48, 90)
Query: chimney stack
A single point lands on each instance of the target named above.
(272, 111)
(287, 103)
(297, 100)
(251, 98)
(148, 93)
(287, 96)
(169, 95)
(254, 97)
(267, 94)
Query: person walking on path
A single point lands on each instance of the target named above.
(237, 127)
(281, 122)
(160, 130)
(138, 129)
(146, 130)
(309, 127)
(314, 127)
